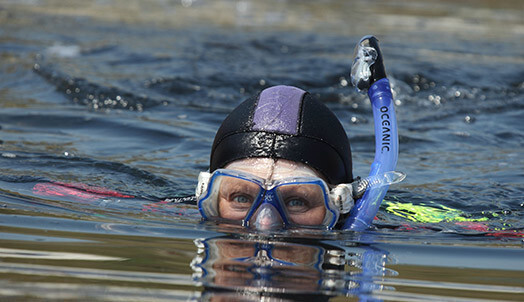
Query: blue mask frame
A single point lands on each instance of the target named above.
(271, 197)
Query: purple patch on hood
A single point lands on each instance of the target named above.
(278, 110)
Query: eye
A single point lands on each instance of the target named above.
(296, 203)
(242, 199)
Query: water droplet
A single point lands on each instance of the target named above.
(469, 119)
(435, 99)
(186, 3)
(9, 155)
(462, 134)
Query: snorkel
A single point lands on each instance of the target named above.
(368, 69)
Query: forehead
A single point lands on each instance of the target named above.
(272, 168)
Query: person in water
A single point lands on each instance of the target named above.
(283, 159)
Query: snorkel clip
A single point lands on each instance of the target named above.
(344, 195)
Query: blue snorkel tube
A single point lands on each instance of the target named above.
(368, 72)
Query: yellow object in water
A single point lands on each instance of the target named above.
(427, 214)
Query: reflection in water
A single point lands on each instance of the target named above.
(239, 268)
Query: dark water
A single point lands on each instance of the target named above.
(127, 95)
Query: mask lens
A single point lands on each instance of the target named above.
(236, 196)
(305, 203)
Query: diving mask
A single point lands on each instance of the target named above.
(234, 195)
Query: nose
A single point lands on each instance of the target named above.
(267, 217)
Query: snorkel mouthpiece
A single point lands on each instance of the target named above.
(266, 218)
(344, 195)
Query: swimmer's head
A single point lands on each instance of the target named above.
(285, 122)
(274, 163)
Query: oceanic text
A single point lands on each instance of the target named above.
(386, 130)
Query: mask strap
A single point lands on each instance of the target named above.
(203, 181)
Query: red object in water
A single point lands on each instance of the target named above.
(75, 190)
(473, 225)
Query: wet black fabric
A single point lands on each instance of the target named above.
(321, 141)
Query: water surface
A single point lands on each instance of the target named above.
(115, 104)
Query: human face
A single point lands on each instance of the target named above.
(300, 211)
(267, 193)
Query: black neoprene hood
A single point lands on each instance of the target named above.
(288, 123)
